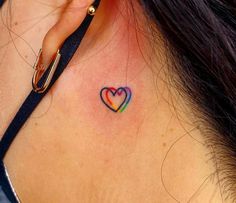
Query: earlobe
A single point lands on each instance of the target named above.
(71, 17)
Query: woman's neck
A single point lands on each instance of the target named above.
(76, 147)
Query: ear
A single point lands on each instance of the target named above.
(72, 16)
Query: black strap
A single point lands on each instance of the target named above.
(67, 51)
(1, 3)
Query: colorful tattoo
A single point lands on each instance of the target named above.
(116, 100)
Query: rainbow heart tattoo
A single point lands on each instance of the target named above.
(116, 100)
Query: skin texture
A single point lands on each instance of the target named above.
(74, 149)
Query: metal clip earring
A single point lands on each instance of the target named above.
(38, 71)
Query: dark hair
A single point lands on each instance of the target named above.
(201, 36)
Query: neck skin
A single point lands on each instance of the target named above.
(77, 149)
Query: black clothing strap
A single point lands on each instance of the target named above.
(67, 51)
(1, 3)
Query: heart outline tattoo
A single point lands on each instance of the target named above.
(108, 102)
